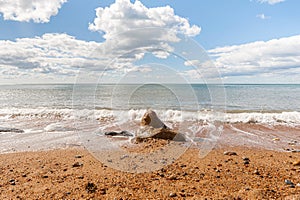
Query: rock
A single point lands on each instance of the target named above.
(256, 172)
(77, 164)
(172, 194)
(296, 163)
(122, 133)
(158, 133)
(246, 162)
(15, 130)
(78, 156)
(90, 187)
(276, 139)
(12, 182)
(288, 182)
(245, 158)
(150, 119)
(230, 153)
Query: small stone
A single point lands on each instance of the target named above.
(78, 156)
(77, 164)
(298, 185)
(172, 177)
(288, 182)
(80, 177)
(246, 158)
(102, 191)
(276, 139)
(256, 172)
(296, 163)
(90, 187)
(45, 176)
(230, 153)
(246, 162)
(24, 175)
(12, 182)
(172, 194)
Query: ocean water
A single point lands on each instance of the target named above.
(56, 115)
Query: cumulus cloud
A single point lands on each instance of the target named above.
(271, 2)
(50, 53)
(124, 15)
(38, 11)
(150, 29)
(259, 58)
(130, 30)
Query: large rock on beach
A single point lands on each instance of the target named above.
(150, 119)
(153, 127)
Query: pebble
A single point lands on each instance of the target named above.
(276, 139)
(77, 164)
(298, 185)
(172, 194)
(45, 176)
(230, 153)
(256, 172)
(78, 156)
(12, 182)
(288, 182)
(246, 162)
(246, 158)
(296, 163)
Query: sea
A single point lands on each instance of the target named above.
(41, 117)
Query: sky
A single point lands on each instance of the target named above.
(210, 41)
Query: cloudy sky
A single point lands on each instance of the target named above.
(234, 41)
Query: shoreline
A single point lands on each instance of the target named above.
(73, 173)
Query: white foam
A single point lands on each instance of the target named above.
(121, 116)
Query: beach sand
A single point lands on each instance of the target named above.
(75, 174)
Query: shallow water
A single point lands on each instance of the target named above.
(55, 116)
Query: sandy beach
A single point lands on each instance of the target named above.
(75, 174)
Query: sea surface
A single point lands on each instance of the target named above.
(61, 115)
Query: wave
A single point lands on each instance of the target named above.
(277, 117)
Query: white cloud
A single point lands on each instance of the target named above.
(130, 31)
(132, 26)
(38, 11)
(124, 15)
(263, 16)
(51, 53)
(259, 58)
(271, 2)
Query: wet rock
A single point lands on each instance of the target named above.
(14, 130)
(230, 153)
(122, 133)
(158, 133)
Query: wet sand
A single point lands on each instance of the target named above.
(75, 174)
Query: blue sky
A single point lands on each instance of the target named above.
(246, 41)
